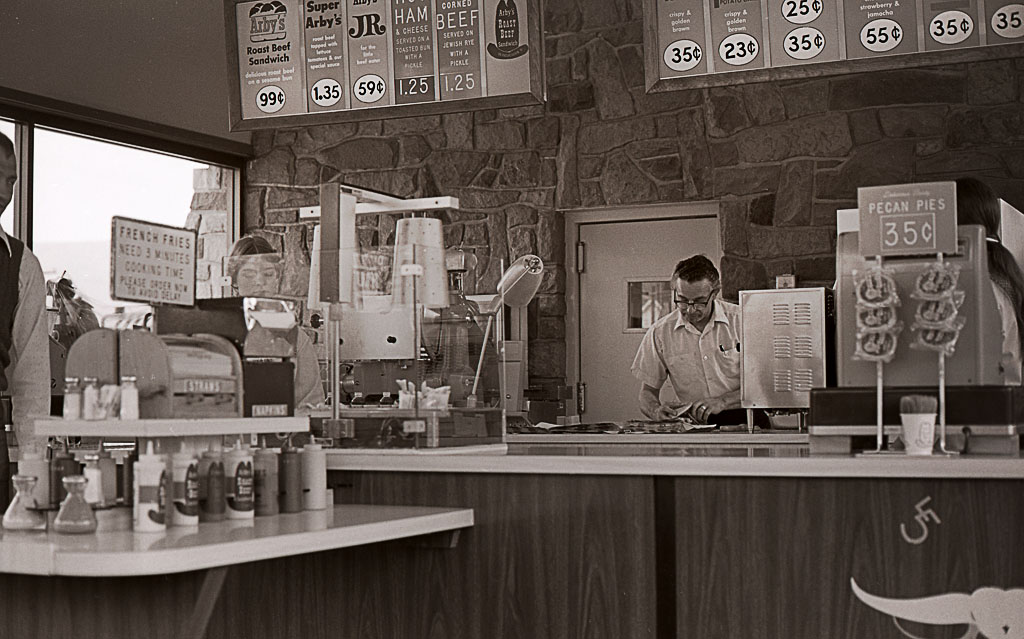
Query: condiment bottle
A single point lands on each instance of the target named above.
(357, 399)
(129, 397)
(128, 477)
(291, 479)
(72, 398)
(314, 477)
(211, 486)
(93, 481)
(239, 482)
(90, 398)
(386, 399)
(185, 507)
(22, 513)
(265, 468)
(61, 465)
(108, 475)
(75, 514)
(32, 464)
(150, 484)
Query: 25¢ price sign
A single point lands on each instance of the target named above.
(907, 219)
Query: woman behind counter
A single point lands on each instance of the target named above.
(260, 276)
(976, 203)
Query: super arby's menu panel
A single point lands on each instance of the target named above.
(299, 57)
(701, 37)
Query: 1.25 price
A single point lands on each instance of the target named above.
(270, 99)
(369, 88)
(455, 82)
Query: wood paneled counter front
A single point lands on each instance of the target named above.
(688, 545)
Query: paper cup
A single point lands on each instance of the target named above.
(918, 432)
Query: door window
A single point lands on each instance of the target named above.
(647, 302)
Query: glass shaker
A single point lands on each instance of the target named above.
(72, 398)
(75, 514)
(90, 398)
(21, 514)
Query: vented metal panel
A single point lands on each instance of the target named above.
(783, 346)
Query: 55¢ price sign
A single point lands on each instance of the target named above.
(907, 219)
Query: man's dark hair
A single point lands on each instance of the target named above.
(695, 269)
(6, 145)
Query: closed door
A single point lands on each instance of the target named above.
(623, 288)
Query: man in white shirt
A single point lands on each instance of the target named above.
(696, 347)
(24, 347)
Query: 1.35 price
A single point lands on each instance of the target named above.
(326, 92)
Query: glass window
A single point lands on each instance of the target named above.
(647, 302)
(80, 183)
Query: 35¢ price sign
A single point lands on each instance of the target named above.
(907, 219)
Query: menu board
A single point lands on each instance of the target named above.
(152, 262)
(702, 37)
(338, 58)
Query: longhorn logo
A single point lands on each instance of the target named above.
(993, 613)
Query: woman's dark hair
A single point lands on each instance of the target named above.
(695, 269)
(977, 203)
(251, 245)
(6, 145)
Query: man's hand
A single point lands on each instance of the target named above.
(703, 409)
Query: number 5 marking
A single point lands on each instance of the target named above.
(922, 517)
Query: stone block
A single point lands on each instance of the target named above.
(499, 136)
(542, 133)
(773, 243)
(591, 167)
(773, 268)
(672, 191)
(282, 197)
(252, 208)
(824, 213)
(562, 17)
(547, 358)
(525, 113)
(956, 163)
(666, 101)
(665, 126)
(746, 180)
(399, 182)
(606, 13)
(739, 274)
(369, 129)
(724, 153)
(644, 149)
(307, 172)
(276, 167)
(458, 128)
(454, 234)
(814, 136)
(519, 168)
(864, 127)
(551, 237)
(452, 169)
(985, 126)
(472, 198)
(569, 98)
(417, 124)
(522, 240)
(611, 89)
(262, 142)
(213, 222)
(553, 279)
(310, 139)
(475, 234)
(360, 154)
(623, 183)
(726, 112)
(559, 71)
(602, 137)
(904, 86)
(805, 98)
(913, 122)
(929, 146)
(193, 220)
(761, 210)
(884, 162)
(549, 172)
(282, 216)
(732, 216)
(816, 269)
(549, 305)
(663, 169)
(208, 178)
(204, 290)
(764, 103)
(591, 194)
(991, 82)
(520, 215)
(412, 150)
(209, 200)
(796, 191)
(202, 272)
(551, 328)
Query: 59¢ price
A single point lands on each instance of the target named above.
(369, 88)
(270, 99)
(951, 27)
(916, 231)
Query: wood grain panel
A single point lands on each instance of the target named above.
(774, 557)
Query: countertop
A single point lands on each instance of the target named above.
(180, 549)
(721, 461)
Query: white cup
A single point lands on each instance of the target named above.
(918, 432)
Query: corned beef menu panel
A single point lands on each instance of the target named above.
(334, 60)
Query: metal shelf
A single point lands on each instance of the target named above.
(171, 427)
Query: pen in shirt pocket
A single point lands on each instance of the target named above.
(722, 348)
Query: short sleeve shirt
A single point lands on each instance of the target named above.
(699, 364)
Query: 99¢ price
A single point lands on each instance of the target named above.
(1008, 21)
(951, 27)
(270, 99)
(683, 55)
(804, 43)
(369, 88)
(915, 231)
(881, 35)
(738, 49)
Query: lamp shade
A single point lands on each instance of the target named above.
(419, 242)
(520, 282)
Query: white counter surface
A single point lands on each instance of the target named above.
(723, 462)
(127, 553)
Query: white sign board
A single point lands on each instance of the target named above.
(152, 262)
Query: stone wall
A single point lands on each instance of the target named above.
(211, 200)
(781, 157)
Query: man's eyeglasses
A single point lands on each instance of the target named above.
(697, 304)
